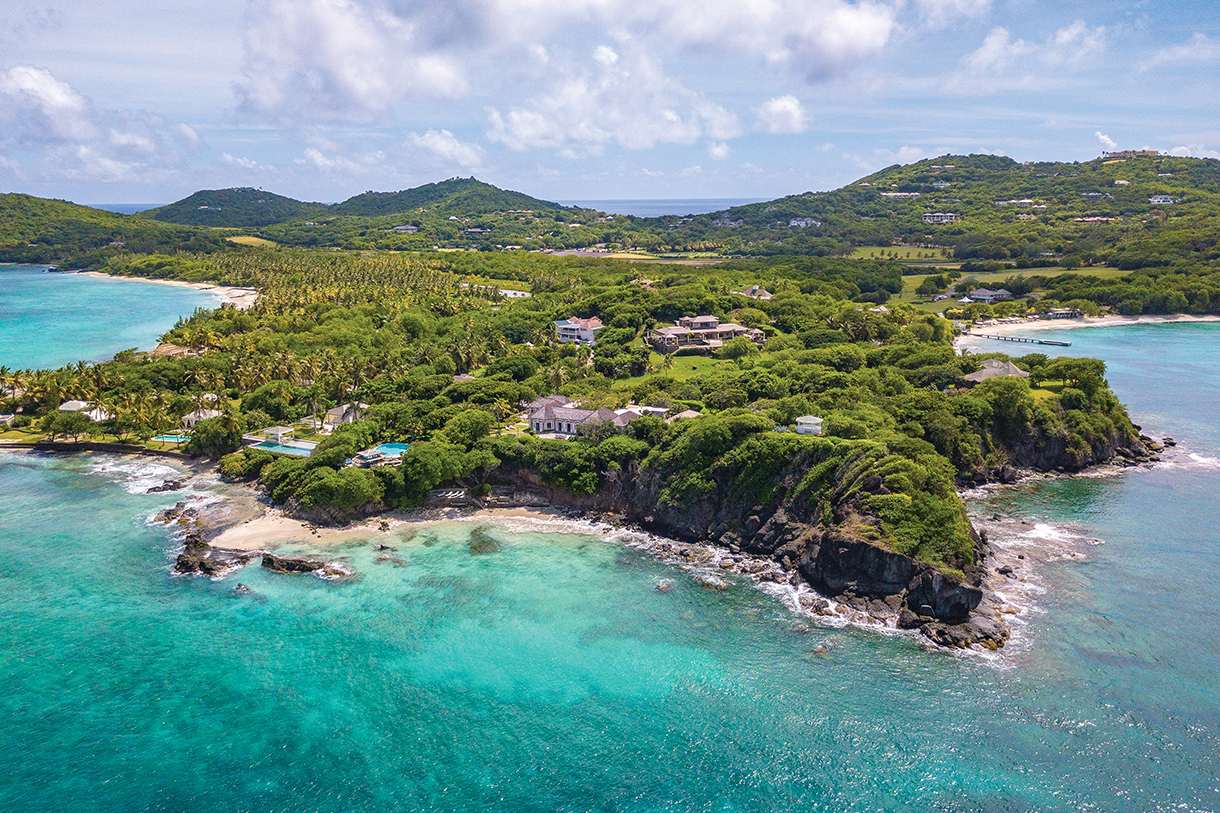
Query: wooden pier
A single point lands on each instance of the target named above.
(1023, 339)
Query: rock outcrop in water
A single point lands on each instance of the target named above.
(304, 564)
(198, 557)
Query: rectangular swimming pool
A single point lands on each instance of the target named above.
(172, 438)
(283, 448)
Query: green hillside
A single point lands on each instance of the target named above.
(40, 230)
(1003, 210)
(241, 207)
(248, 208)
(456, 196)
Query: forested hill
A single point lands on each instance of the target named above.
(40, 230)
(234, 208)
(254, 208)
(456, 196)
(1001, 210)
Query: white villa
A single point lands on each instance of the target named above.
(344, 413)
(987, 295)
(97, 414)
(1161, 200)
(575, 329)
(702, 332)
(808, 425)
(191, 418)
(939, 217)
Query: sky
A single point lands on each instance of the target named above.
(146, 102)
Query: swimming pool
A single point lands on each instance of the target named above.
(393, 449)
(281, 448)
(172, 438)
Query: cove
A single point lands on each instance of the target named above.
(543, 670)
(48, 320)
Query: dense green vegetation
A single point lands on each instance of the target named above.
(1079, 234)
(35, 230)
(241, 207)
(392, 331)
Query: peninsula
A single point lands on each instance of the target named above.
(798, 402)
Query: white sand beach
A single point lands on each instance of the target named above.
(240, 298)
(1004, 328)
(273, 530)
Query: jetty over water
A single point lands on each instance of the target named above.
(1023, 339)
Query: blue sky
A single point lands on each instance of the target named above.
(146, 101)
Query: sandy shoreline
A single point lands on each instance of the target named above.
(1023, 326)
(240, 298)
(274, 530)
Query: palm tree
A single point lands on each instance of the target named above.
(667, 362)
(557, 375)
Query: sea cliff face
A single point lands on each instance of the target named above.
(836, 560)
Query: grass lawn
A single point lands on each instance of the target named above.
(684, 367)
(246, 240)
(899, 253)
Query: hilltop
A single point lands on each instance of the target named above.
(233, 208)
(253, 208)
(40, 230)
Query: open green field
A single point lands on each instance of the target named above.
(684, 367)
(902, 253)
(912, 281)
(247, 240)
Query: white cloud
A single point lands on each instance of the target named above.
(244, 163)
(1195, 151)
(1002, 62)
(718, 150)
(357, 164)
(783, 114)
(1198, 50)
(447, 147)
(332, 60)
(627, 100)
(1105, 141)
(939, 13)
(50, 130)
(337, 59)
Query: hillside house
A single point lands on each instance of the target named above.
(344, 413)
(703, 333)
(191, 418)
(994, 368)
(1161, 200)
(939, 217)
(756, 292)
(562, 419)
(808, 425)
(580, 331)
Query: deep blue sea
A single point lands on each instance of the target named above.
(660, 207)
(551, 675)
(48, 319)
(124, 208)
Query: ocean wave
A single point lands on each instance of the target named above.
(136, 477)
(715, 568)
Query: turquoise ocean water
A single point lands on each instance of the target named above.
(48, 320)
(545, 672)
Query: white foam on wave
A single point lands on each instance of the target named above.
(135, 476)
(712, 567)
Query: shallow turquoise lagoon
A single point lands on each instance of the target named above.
(543, 671)
(49, 320)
